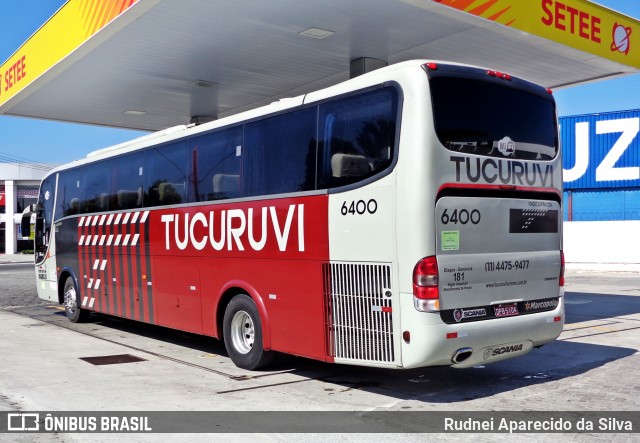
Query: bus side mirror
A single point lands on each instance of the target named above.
(25, 225)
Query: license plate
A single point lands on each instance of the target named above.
(506, 310)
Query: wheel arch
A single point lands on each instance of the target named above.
(227, 293)
(64, 274)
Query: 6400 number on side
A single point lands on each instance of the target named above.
(359, 207)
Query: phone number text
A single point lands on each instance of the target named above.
(506, 265)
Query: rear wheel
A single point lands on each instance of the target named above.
(242, 332)
(72, 303)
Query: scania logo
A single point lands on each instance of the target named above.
(460, 314)
(492, 352)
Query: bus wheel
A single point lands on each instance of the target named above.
(71, 305)
(242, 332)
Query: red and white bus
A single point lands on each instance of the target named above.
(408, 217)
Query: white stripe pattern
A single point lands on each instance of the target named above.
(101, 238)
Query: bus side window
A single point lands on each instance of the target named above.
(279, 155)
(126, 190)
(165, 178)
(94, 195)
(215, 162)
(68, 201)
(358, 137)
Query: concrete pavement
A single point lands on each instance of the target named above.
(16, 258)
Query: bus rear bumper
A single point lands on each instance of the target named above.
(466, 344)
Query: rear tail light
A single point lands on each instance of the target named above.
(499, 74)
(425, 285)
(561, 268)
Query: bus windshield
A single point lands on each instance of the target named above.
(489, 117)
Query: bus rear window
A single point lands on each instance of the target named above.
(493, 118)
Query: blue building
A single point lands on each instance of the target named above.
(601, 166)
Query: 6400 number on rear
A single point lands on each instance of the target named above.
(461, 216)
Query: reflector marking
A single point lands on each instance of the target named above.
(102, 219)
(110, 219)
(91, 302)
(104, 265)
(135, 240)
(126, 240)
(95, 240)
(95, 220)
(97, 285)
(81, 223)
(135, 218)
(96, 264)
(88, 240)
(452, 335)
(126, 218)
(110, 240)
(102, 239)
(118, 238)
(84, 301)
(90, 283)
(118, 217)
(81, 240)
(144, 216)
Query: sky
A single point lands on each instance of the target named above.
(41, 141)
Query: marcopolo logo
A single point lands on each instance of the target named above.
(539, 305)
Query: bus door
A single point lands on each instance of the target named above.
(44, 244)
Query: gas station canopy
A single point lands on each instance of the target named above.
(151, 64)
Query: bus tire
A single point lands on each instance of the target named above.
(242, 333)
(72, 303)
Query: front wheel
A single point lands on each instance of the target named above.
(242, 332)
(72, 303)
